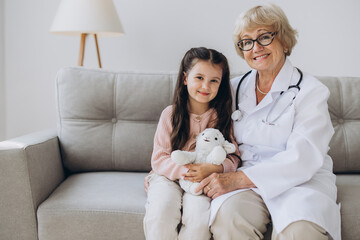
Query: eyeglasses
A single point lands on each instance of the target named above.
(264, 39)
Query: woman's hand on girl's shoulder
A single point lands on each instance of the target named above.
(197, 172)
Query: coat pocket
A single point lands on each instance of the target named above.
(275, 133)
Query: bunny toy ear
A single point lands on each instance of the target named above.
(229, 147)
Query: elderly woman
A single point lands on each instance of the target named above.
(283, 129)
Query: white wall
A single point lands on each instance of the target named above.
(158, 32)
(2, 80)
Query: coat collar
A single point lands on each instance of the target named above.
(284, 78)
(281, 83)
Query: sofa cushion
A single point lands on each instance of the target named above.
(107, 120)
(101, 205)
(110, 205)
(349, 196)
(344, 108)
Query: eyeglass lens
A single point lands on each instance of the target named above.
(264, 39)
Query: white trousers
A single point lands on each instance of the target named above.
(172, 214)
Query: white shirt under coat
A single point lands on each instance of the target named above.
(288, 160)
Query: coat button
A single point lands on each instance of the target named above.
(114, 120)
(198, 118)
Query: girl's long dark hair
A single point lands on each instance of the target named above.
(222, 103)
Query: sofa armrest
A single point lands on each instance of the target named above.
(30, 169)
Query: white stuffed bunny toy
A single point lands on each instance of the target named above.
(211, 147)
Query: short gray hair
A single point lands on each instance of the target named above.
(267, 15)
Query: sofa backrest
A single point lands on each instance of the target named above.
(344, 108)
(107, 120)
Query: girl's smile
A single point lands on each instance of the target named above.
(203, 82)
(204, 93)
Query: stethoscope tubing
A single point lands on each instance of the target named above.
(246, 74)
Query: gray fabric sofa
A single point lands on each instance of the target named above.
(85, 180)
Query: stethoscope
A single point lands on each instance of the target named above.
(284, 101)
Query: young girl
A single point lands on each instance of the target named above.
(202, 99)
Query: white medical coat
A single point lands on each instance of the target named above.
(288, 161)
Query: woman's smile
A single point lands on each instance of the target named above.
(265, 59)
(261, 57)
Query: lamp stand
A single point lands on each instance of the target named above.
(82, 49)
(97, 50)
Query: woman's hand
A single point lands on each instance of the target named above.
(216, 184)
(197, 172)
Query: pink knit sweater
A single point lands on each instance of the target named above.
(161, 161)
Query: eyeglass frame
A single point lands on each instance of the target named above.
(257, 40)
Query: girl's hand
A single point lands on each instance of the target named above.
(146, 181)
(197, 172)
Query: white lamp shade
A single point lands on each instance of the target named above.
(87, 16)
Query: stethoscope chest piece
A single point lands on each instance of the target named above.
(284, 101)
(236, 115)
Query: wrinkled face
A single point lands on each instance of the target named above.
(210, 138)
(264, 58)
(203, 82)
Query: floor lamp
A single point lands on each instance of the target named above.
(84, 17)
